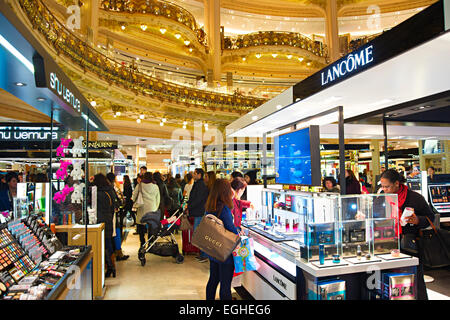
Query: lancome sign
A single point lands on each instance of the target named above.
(59, 88)
(348, 65)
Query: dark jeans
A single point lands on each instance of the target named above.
(421, 287)
(142, 230)
(109, 249)
(219, 273)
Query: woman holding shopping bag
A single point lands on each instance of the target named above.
(220, 203)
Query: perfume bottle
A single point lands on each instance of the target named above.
(358, 252)
(321, 254)
(287, 225)
(295, 225)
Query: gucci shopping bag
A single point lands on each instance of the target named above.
(212, 238)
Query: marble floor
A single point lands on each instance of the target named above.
(160, 279)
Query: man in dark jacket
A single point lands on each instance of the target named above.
(196, 203)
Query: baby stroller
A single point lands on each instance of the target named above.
(161, 240)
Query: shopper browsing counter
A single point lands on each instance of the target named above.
(392, 182)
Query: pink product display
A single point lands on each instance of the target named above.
(61, 173)
(60, 196)
(64, 145)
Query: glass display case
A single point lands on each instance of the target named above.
(368, 226)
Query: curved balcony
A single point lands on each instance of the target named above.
(158, 8)
(356, 43)
(275, 38)
(64, 41)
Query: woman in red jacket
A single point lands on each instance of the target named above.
(238, 185)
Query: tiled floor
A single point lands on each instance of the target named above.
(440, 287)
(160, 279)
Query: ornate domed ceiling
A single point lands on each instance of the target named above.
(143, 61)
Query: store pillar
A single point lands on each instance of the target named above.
(212, 29)
(332, 31)
(89, 20)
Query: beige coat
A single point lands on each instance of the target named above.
(150, 194)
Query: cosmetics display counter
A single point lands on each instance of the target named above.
(309, 242)
(34, 265)
(95, 239)
(439, 194)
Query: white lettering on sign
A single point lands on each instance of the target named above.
(27, 135)
(63, 92)
(352, 63)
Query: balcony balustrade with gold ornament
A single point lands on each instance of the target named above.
(158, 8)
(89, 59)
(275, 38)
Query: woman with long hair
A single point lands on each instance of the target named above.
(210, 178)
(105, 214)
(165, 200)
(151, 197)
(128, 194)
(239, 186)
(220, 203)
(188, 186)
(352, 185)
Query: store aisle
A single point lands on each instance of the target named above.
(160, 279)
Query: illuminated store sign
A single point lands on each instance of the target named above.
(99, 145)
(349, 65)
(64, 92)
(28, 134)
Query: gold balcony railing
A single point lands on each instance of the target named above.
(64, 41)
(158, 8)
(275, 38)
(356, 43)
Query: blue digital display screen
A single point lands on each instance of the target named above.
(293, 158)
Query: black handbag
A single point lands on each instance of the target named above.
(434, 247)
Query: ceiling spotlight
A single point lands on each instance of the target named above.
(93, 103)
(187, 42)
(300, 59)
(190, 50)
(178, 36)
(138, 120)
(41, 99)
(161, 124)
(244, 58)
(118, 113)
(274, 55)
(122, 27)
(142, 116)
(143, 27)
(258, 56)
(184, 126)
(184, 123)
(289, 56)
(163, 119)
(137, 59)
(279, 107)
(114, 116)
(308, 64)
(162, 30)
(254, 118)
(20, 84)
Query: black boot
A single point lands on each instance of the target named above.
(109, 272)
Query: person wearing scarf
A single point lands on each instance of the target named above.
(392, 182)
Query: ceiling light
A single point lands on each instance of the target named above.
(300, 59)
(142, 116)
(274, 55)
(123, 27)
(162, 30)
(143, 27)
(254, 118)
(114, 116)
(184, 123)
(187, 42)
(8, 46)
(20, 84)
(421, 107)
(178, 36)
(138, 120)
(118, 113)
(258, 56)
(163, 119)
(308, 64)
(244, 58)
(40, 99)
(190, 50)
(137, 58)
(161, 124)
(93, 103)
(279, 107)
(184, 126)
(289, 56)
